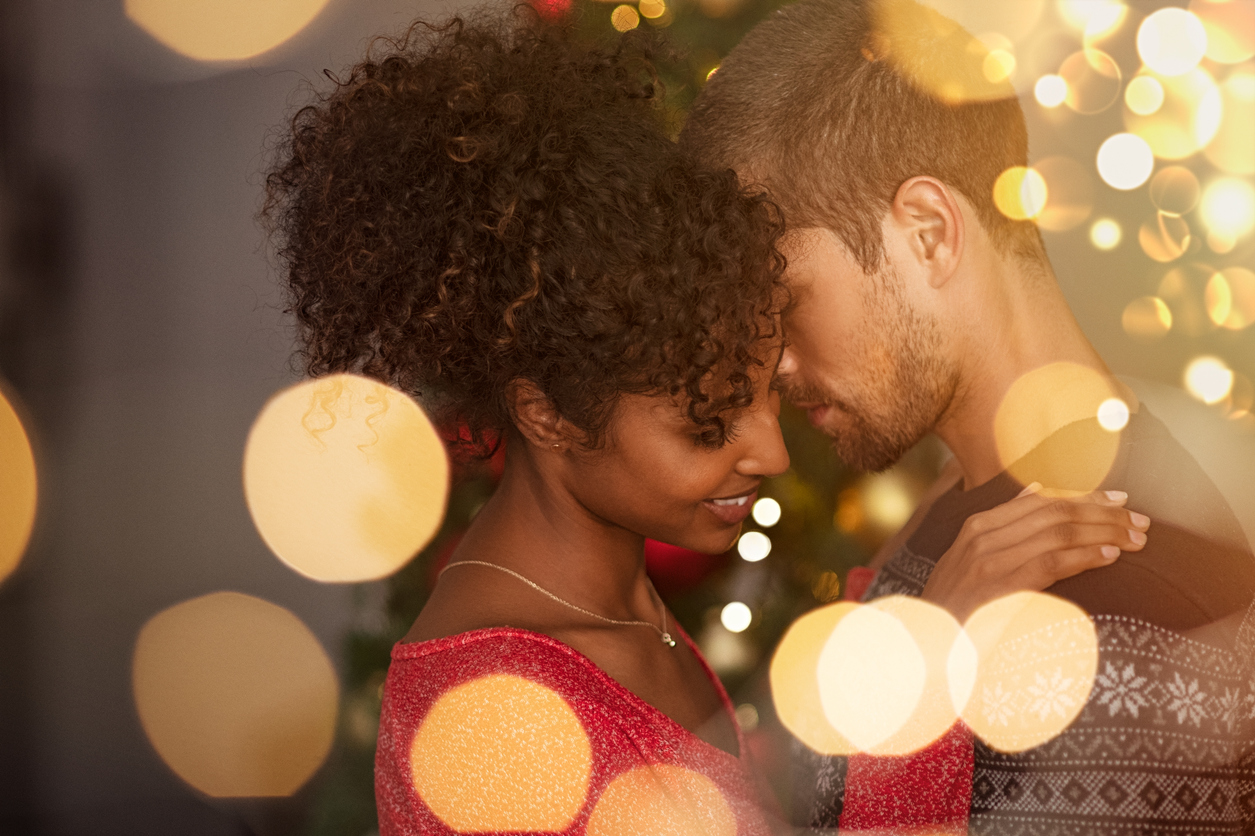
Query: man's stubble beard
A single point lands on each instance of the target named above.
(891, 413)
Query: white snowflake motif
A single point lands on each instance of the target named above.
(1050, 696)
(1122, 689)
(1230, 706)
(1187, 702)
(997, 704)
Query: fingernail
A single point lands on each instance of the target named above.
(1111, 552)
(1140, 520)
(1137, 537)
(1116, 496)
(1033, 488)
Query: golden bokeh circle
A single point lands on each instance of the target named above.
(1230, 28)
(1069, 193)
(1036, 656)
(1231, 149)
(871, 677)
(1230, 298)
(502, 753)
(1093, 79)
(1147, 317)
(1175, 190)
(1183, 288)
(794, 679)
(939, 55)
(236, 695)
(1044, 401)
(1171, 41)
(1020, 193)
(19, 488)
(661, 800)
(345, 478)
(886, 713)
(222, 30)
(1188, 119)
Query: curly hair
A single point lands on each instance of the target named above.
(494, 199)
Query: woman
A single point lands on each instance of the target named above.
(491, 215)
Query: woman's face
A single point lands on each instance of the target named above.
(654, 477)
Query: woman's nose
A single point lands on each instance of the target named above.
(763, 450)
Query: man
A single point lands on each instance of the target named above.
(920, 306)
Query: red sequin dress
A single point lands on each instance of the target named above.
(506, 731)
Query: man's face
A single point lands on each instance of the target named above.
(866, 366)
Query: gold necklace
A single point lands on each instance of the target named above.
(666, 636)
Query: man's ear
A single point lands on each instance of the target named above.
(929, 218)
(535, 417)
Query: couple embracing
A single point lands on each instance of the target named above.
(491, 214)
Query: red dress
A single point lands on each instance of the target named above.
(507, 731)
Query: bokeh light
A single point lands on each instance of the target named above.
(1020, 193)
(236, 695)
(1069, 193)
(1093, 81)
(1113, 415)
(1105, 234)
(766, 512)
(1183, 288)
(736, 616)
(1044, 401)
(1147, 317)
(1175, 190)
(1165, 238)
(624, 18)
(18, 488)
(652, 9)
(1230, 28)
(502, 753)
(661, 800)
(1095, 19)
(883, 676)
(1231, 150)
(747, 716)
(222, 30)
(1036, 656)
(1171, 41)
(871, 677)
(1230, 298)
(998, 65)
(1186, 121)
(1125, 161)
(1010, 22)
(794, 679)
(1209, 379)
(887, 500)
(1228, 207)
(1050, 90)
(753, 546)
(954, 66)
(1144, 95)
(346, 478)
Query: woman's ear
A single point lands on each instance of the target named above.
(535, 416)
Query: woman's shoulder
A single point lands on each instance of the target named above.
(499, 660)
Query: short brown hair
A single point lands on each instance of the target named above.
(812, 105)
(494, 199)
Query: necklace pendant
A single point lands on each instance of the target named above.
(667, 640)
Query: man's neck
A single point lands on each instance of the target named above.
(1025, 373)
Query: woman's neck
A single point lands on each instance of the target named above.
(533, 525)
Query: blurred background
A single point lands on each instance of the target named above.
(162, 672)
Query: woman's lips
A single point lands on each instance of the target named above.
(731, 511)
